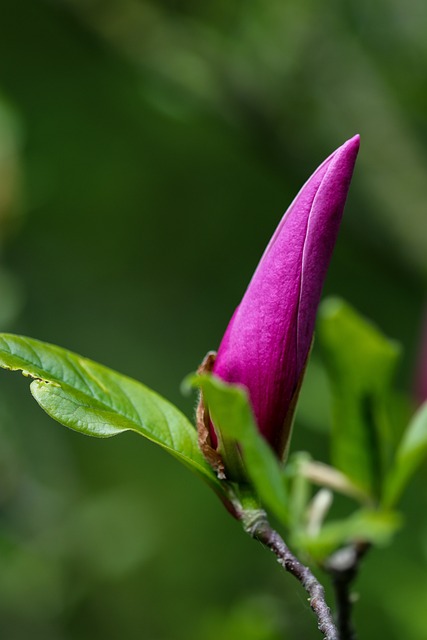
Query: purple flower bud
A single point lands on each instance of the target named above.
(267, 343)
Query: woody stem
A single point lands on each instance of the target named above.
(259, 528)
(343, 567)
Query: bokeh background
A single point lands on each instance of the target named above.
(147, 152)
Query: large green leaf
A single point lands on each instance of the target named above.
(360, 363)
(231, 412)
(410, 453)
(97, 401)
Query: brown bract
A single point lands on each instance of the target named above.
(203, 422)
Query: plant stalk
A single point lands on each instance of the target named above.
(343, 567)
(257, 526)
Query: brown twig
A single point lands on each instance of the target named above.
(343, 567)
(259, 528)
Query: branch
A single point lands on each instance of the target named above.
(259, 528)
(343, 567)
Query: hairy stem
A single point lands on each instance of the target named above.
(259, 528)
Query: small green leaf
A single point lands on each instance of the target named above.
(376, 527)
(231, 412)
(410, 453)
(299, 489)
(97, 401)
(314, 403)
(360, 362)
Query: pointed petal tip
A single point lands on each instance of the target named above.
(347, 152)
(353, 142)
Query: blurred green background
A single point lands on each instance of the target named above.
(147, 152)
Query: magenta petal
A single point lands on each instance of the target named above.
(267, 342)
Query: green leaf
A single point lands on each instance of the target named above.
(411, 452)
(314, 403)
(97, 401)
(299, 489)
(361, 363)
(231, 412)
(365, 525)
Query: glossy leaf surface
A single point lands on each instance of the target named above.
(100, 402)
